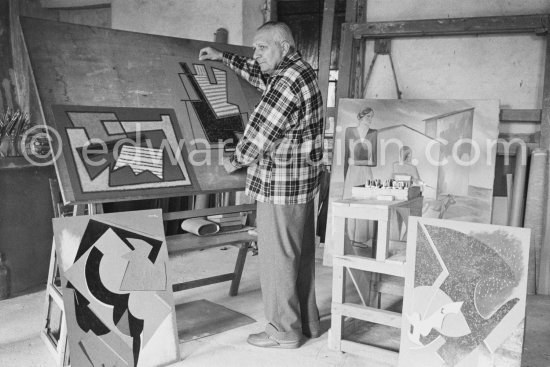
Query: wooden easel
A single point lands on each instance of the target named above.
(351, 78)
(55, 337)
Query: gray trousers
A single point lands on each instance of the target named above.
(286, 248)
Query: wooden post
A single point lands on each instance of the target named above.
(544, 274)
(324, 52)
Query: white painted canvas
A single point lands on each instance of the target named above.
(465, 294)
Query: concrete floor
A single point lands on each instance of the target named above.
(22, 318)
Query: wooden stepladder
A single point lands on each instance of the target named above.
(380, 263)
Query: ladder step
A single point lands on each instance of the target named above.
(369, 314)
(372, 265)
(388, 357)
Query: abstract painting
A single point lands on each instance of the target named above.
(117, 153)
(213, 99)
(448, 148)
(118, 300)
(125, 77)
(465, 294)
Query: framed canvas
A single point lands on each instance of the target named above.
(117, 295)
(447, 147)
(465, 294)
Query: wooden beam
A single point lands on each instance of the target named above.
(520, 115)
(351, 11)
(185, 214)
(545, 116)
(371, 265)
(345, 61)
(74, 4)
(325, 49)
(543, 286)
(452, 27)
(370, 314)
(202, 282)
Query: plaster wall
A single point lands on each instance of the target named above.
(505, 67)
(253, 17)
(194, 19)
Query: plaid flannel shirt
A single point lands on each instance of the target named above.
(282, 142)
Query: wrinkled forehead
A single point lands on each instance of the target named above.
(263, 36)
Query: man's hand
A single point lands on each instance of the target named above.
(229, 167)
(209, 53)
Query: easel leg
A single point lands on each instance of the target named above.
(239, 266)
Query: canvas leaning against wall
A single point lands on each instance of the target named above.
(117, 294)
(465, 294)
(447, 146)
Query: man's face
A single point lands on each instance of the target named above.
(267, 52)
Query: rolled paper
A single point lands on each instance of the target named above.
(534, 213)
(543, 286)
(518, 194)
(200, 226)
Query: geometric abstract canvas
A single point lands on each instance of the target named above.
(121, 153)
(217, 110)
(465, 294)
(118, 300)
(115, 83)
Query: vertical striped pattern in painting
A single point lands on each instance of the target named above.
(216, 94)
(141, 159)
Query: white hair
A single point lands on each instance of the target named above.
(281, 33)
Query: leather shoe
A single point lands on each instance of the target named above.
(263, 340)
(312, 334)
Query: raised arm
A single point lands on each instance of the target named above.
(245, 67)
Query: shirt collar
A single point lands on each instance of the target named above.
(288, 60)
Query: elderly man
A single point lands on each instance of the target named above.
(282, 148)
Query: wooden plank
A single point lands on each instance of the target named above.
(545, 116)
(388, 357)
(543, 286)
(366, 264)
(191, 242)
(186, 214)
(344, 63)
(325, 49)
(359, 53)
(383, 235)
(202, 282)
(520, 115)
(54, 4)
(369, 314)
(365, 212)
(351, 11)
(338, 280)
(452, 26)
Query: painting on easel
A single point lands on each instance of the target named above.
(109, 85)
(465, 294)
(447, 147)
(117, 295)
